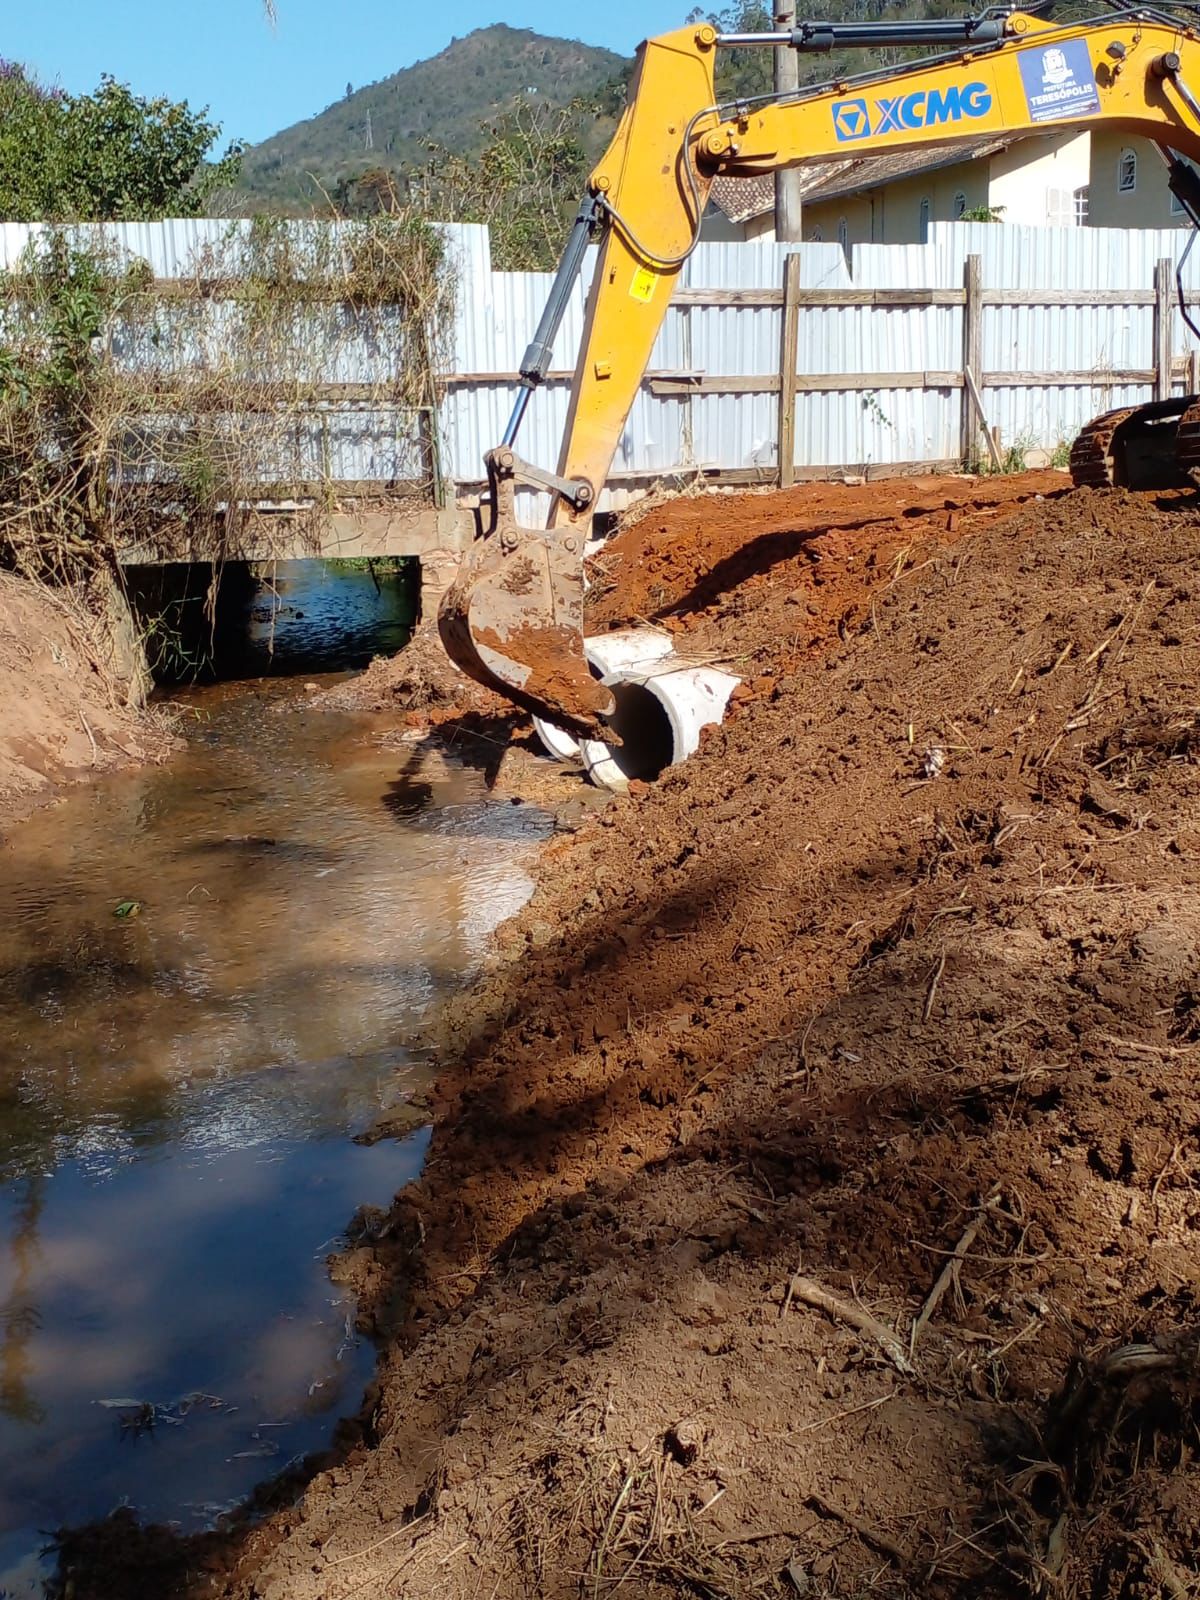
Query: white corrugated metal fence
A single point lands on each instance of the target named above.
(695, 426)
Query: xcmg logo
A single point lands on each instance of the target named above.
(855, 119)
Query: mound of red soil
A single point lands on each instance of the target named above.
(828, 1124)
(795, 564)
(420, 680)
(62, 715)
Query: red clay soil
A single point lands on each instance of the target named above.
(62, 716)
(420, 682)
(812, 1200)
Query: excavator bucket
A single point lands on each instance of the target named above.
(513, 621)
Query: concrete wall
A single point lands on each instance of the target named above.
(892, 213)
(1035, 181)
(820, 220)
(718, 229)
(1148, 205)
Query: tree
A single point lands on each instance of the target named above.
(105, 156)
(741, 74)
(525, 183)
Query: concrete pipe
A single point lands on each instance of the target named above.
(607, 652)
(658, 719)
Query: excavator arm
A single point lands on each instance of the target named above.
(513, 620)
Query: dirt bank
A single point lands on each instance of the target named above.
(828, 1123)
(64, 712)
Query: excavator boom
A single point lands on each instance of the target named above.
(514, 617)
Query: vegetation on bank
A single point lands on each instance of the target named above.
(128, 406)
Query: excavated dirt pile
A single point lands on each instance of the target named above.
(65, 711)
(812, 1203)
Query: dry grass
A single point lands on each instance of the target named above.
(130, 410)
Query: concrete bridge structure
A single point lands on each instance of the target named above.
(300, 534)
(435, 536)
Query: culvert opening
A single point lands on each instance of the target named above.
(641, 723)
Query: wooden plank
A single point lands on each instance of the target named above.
(1164, 318)
(205, 392)
(727, 297)
(789, 355)
(1099, 379)
(869, 471)
(469, 380)
(989, 435)
(838, 382)
(720, 476)
(1067, 297)
(972, 349)
(701, 383)
(406, 496)
(717, 477)
(232, 287)
(826, 382)
(881, 299)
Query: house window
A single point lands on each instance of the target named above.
(843, 232)
(960, 205)
(923, 220)
(1127, 172)
(1081, 207)
(1178, 209)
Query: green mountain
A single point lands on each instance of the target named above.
(445, 101)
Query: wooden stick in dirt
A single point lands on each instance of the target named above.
(868, 1535)
(950, 1271)
(812, 1294)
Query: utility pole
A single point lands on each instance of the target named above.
(787, 182)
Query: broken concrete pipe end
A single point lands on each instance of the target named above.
(658, 718)
(607, 652)
(660, 708)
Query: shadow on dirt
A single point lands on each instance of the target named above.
(864, 1138)
(804, 1016)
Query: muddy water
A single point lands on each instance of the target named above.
(180, 1086)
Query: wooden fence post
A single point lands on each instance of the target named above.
(972, 351)
(1164, 320)
(789, 357)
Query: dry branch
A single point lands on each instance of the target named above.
(870, 1536)
(950, 1272)
(812, 1294)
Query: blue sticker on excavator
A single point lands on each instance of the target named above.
(901, 113)
(1059, 81)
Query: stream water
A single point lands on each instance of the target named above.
(180, 1084)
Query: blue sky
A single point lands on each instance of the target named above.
(258, 78)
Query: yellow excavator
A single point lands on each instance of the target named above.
(513, 619)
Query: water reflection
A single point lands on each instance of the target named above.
(288, 617)
(20, 1318)
(177, 1087)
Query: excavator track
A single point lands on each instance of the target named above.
(1155, 446)
(1187, 443)
(1092, 453)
